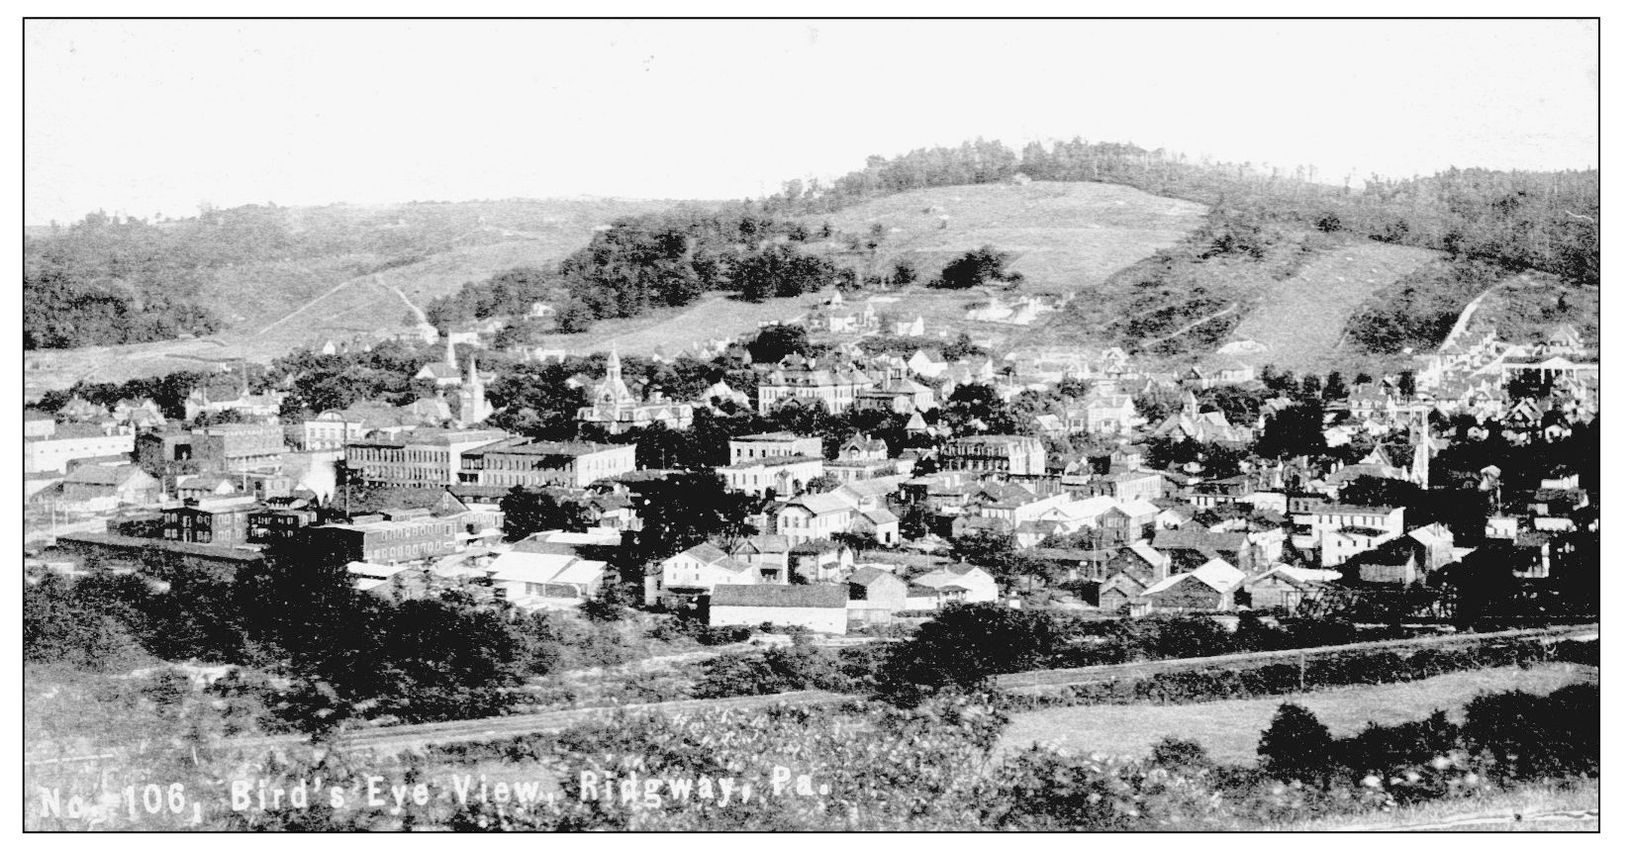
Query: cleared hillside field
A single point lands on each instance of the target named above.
(1065, 236)
(273, 307)
(1298, 322)
(716, 316)
(1229, 730)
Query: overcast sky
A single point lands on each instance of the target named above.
(146, 117)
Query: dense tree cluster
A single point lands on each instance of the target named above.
(976, 268)
(1419, 311)
(508, 294)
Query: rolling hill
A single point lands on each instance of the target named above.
(372, 268)
(1066, 237)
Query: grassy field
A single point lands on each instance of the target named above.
(1066, 236)
(1299, 321)
(1229, 729)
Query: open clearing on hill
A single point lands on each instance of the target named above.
(1229, 730)
(1065, 236)
(1299, 321)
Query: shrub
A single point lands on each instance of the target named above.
(1296, 746)
(1520, 736)
(1178, 754)
(1379, 749)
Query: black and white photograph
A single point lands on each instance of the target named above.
(841, 424)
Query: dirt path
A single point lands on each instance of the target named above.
(1301, 321)
(417, 312)
(1463, 321)
(1190, 326)
(308, 305)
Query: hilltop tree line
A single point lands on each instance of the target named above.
(109, 281)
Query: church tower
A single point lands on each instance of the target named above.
(614, 369)
(1421, 462)
(473, 406)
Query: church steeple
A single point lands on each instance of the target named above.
(1422, 460)
(614, 366)
(473, 408)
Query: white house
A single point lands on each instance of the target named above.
(813, 517)
(535, 575)
(702, 568)
(953, 584)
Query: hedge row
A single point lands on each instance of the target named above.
(1344, 669)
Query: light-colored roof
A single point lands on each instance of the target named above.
(364, 569)
(529, 567)
(1138, 508)
(958, 574)
(581, 572)
(1301, 575)
(821, 503)
(1218, 574)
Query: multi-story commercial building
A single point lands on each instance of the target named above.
(280, 522)
(67, 442)
(772, 444)
(237, 447)
(335, 428)
(384, 539)
(785, 475)
(223, 521)
(1004, 455)
(416, 459)
(518, 461)
(1126, 486)
(1309, 528)
(835, 387)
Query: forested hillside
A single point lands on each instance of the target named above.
(108, 280)
(105, 281)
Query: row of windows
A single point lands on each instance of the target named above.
(398, 456)
(406, 552)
